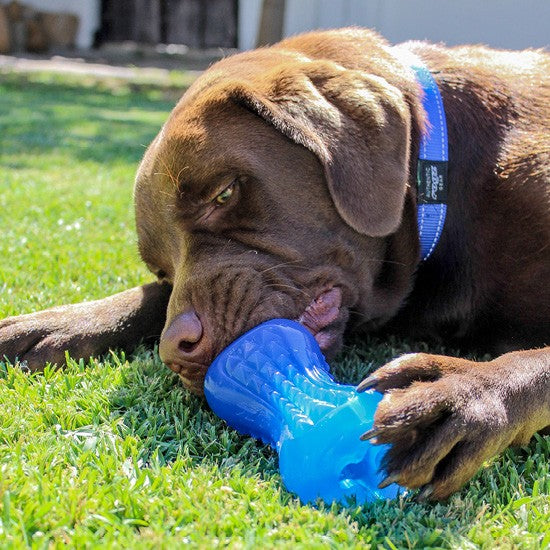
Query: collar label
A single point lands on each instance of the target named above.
(432, 181)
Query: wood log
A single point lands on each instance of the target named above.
(4, 32)
(60, 28)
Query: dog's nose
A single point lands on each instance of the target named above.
(179, 342)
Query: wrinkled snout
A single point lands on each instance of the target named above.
(215, 306)
(212, 307)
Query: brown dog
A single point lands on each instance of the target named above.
(284, 185)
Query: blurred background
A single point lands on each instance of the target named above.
(175, 27)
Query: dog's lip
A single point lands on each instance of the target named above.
(323, 317)
(189, 371)
(195, 386)
(189, 367)
(176, 367)
(193, 379)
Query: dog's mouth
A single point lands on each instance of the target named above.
(324, 317)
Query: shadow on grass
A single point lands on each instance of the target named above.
(95, 123)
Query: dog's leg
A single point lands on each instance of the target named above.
(85, 329)
(445, 416)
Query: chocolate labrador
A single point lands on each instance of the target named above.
(284, 184)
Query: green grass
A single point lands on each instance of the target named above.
(115, 453)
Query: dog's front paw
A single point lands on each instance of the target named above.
(45, 336)
(443, 417)
(86, 329)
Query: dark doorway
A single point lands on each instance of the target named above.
(196, 23)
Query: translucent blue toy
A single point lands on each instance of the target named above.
(273, 383)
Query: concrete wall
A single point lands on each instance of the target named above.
(499, 23)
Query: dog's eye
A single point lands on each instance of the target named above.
(225, 195)
(161, 274)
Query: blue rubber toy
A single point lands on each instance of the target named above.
(273, 383)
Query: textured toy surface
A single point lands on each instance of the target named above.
(273, 383)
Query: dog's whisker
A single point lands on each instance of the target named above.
(284, 264)
(291, 287)
(175, 180)
(182, 169)
(380, 261)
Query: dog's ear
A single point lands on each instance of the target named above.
(357, 124)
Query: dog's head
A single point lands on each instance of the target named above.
(276, 189)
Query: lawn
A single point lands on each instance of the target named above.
(114, 452)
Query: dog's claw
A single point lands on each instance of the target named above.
(370, 434)
(392, 478)
(426, 493)
(368, 383)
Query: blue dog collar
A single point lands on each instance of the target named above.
(432, 165)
